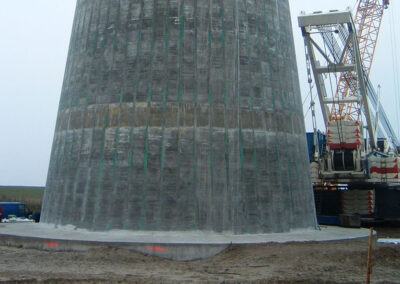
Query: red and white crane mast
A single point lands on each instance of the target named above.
(368, 20)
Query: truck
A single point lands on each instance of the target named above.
(17, 209)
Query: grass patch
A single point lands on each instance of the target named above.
(30, 195)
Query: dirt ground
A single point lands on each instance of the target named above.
(329, 262)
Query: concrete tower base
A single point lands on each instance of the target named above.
(180, 246)
(180, 116)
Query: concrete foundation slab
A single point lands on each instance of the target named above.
(180, 246)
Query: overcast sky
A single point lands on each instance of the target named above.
(33, 49)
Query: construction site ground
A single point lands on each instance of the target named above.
(312, 262)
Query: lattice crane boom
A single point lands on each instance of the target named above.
(368, 20)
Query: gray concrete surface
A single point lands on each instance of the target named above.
(180, 116)
(179, 246)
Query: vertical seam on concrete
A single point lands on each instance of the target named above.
(150, 84)
(270, 194)
(130, 170)
(138, 50)
(105, 39)
(181, 35)
(117, 130)
(73, 48)
(68, 181)
(269, 56)
(279, 40)
(259, 197)
(135, 89)
(88, 33)
(144, 189)
(89, 176)
(117, 27)
(99, 189)
(235, 204)
(248, 191)
(178, 174)
(64, 190)
(278, 155)
(100, 173)
(195, 209)
(241, 150)
(226, 139)
(125, 214)
(82, 138)
(96, 36)
(82, 26)
(80, 150)
(296, 168)
(255, 158)
(164, 105)
(262, 80)
(210, 111)
(264, 100)
(289, 158)
(62, 158)
(282, 93)
(115, 158)
(146, 150)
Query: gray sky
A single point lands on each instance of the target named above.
(33, 49)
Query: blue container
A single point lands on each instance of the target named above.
(321, 142)
(328, 220)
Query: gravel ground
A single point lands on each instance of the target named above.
(328, 262)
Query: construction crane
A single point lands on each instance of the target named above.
(362, 168)
(368, 20)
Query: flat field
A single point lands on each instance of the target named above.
(31, 196)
